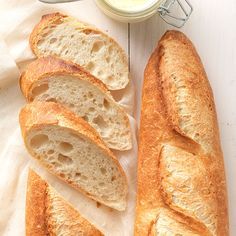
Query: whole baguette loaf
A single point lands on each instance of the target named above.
(72, 150)
(181, 179)
(53, 79)
(47, 213)
(66, 37)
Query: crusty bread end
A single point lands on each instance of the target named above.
(47, 213)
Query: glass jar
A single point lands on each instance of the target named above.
(140, 10)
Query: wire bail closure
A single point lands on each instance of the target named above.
(165, 12)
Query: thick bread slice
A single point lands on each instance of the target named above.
(72, 150)
(53, 79)
(47, 213)
(70, 39)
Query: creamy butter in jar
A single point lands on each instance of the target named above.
(139, 10)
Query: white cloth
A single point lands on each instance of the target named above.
(17, 18)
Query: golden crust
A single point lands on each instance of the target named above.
(169, 71)
(46, 212)
(48, 66)
(46, 19)
(40, 114)
(35, 219)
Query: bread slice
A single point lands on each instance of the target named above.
(53, 79)
(72, 150)
(47, 213)
(70, 39)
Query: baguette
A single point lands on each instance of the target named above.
(47, 213)
(181, 180)
(72, 150)
(53, 79)
(66, 37)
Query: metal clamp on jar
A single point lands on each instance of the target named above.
(139, 10)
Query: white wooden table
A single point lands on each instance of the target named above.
(212, 28)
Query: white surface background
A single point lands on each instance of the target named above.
(212, 28)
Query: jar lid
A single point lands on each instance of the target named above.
(131, 6)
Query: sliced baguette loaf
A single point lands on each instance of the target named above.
(53, 79)
(70, 39)
(47, 213)
(72, 150)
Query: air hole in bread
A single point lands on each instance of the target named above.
(51, 100)
(77, 175)
(110, 78)
(108, 59)
(72, 36)
(65, 147)
(100, 122)
(52, 40)
(39, 90)
(71, 105)
(39, 140)
(90, 66)
(91, 109)
(101, 184)
(103, 170)
(106, 104)
(50, 152)
(100, 73)
(85, 118)
(64, 159)
(113, 178)
(66, 52)
(56, 164)
(97, 46)
(84, 177)
(90, 95)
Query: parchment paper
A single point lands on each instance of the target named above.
(17, 18)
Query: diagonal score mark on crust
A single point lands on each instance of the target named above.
(186, 186)
(168, 223)
(190, 107)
